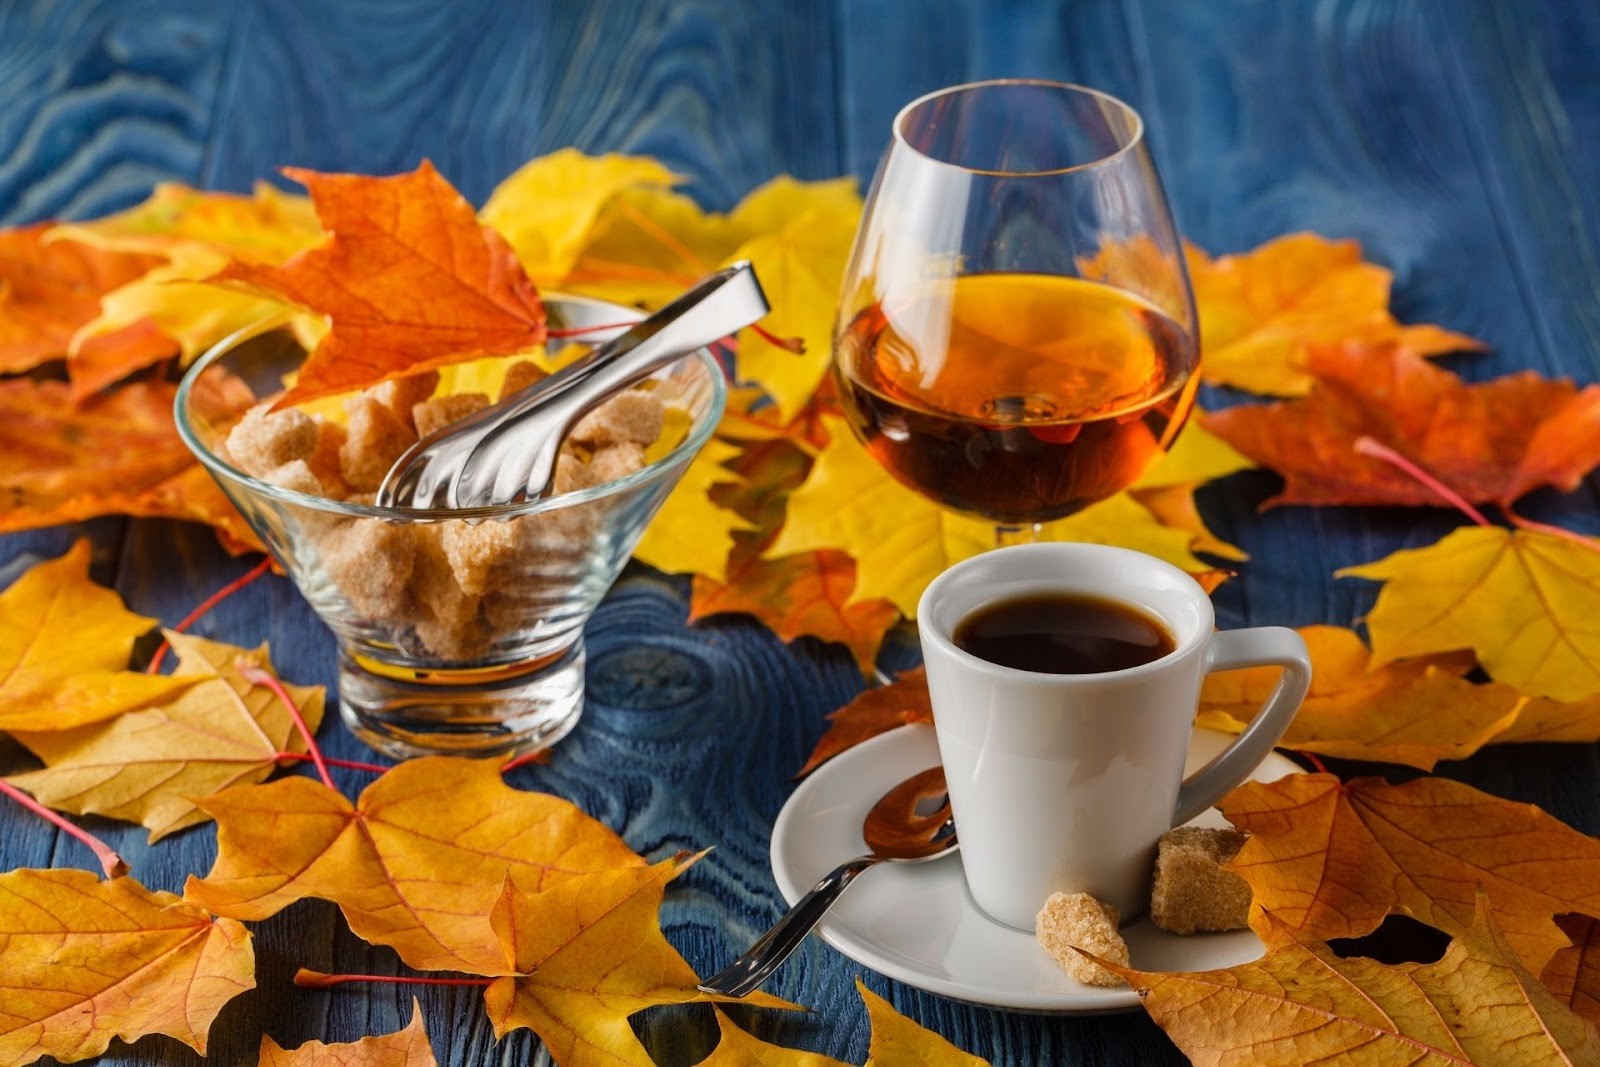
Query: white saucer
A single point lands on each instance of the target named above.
(916, 922)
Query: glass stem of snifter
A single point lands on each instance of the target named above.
(1022, 534)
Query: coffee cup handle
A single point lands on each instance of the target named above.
(1262, 646)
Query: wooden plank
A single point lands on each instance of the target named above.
(726, 94)
(102, 99)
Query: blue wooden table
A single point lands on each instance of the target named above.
(1458, 139)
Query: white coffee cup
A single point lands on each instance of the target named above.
(1064, 782)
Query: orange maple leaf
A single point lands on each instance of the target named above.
(403, 1048)
(416, 864)
(116, 454)
(87, 961)
(50, 289)
(1491, 442)
(587, 954)
(806, 594)
(1300, 1003)
(877, 710)
(1262, 310)
(408, 279)
(1416, 712)
(1334, 859)
(1573, 973)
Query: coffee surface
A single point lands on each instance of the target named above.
(1063, 633)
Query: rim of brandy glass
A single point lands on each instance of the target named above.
(684, 451)
(1070, 88)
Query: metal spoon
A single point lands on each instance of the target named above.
(507, 452)
(910, 824)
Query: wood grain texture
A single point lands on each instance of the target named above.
(1458, 139)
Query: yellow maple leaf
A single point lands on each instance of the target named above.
(647, 244)
(403, 1048)
(899, 1042)
(416, 864)
(736, 1048)
(1261, 310)
(587, 954)
(86, 961)
(199, 233)
(64, 646)
(1416, 712)
(901, 541)
(1198, 456)
(691, 534)
(268, 226)
(801, 267)
(546, 208)
(147, 766)
(1526, 602)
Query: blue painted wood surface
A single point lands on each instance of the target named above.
(1458, 139)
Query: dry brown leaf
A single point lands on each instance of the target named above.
(416, 864)
(64, 647)
(1334, 859)
(1416, 712)
(148, 766)
(403, 1048)
(83, 961)
(877, 710)
(1573, 974)
(1302, 1004)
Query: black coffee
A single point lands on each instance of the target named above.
(1063, 633)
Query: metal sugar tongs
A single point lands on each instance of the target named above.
(507, 452)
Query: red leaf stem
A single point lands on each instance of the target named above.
(207, 604)
(254, 674)
(1369, 447)
(332, 761)
(796, 345)
(110, 862)
(538, 755)
(1554, 531)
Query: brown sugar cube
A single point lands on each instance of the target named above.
(632, 416)
(441, 411)
(1077, 920)
(376, 439)
(519, 376)
(615, 461)
(1193, 891)
(447, 619)
(371, 561)
(400, 395)
(324, 459)
(295, 475)
(262, 441)
(572, 473)
(479, 554)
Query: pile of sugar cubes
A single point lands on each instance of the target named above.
(444, 588)
(1193, 893)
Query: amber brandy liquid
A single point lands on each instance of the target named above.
(1017, 397)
